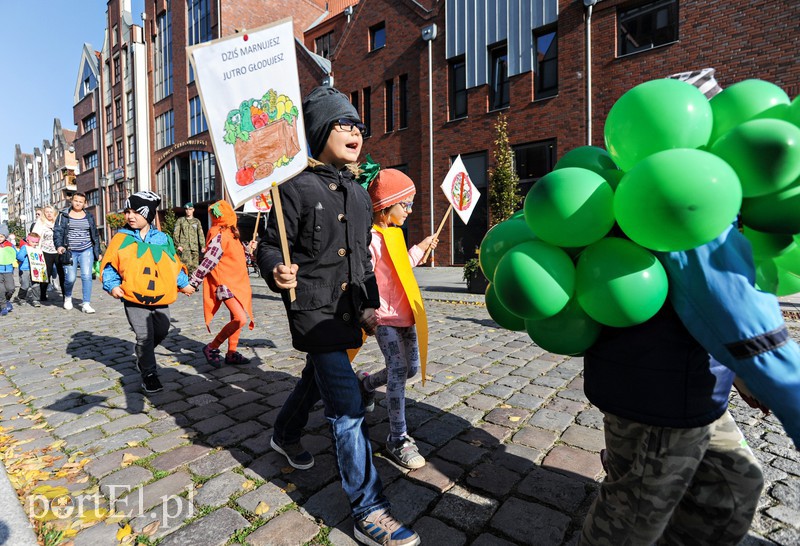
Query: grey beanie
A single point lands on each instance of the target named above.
(321, 108)
(4, 230)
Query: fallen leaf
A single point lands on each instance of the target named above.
(248, 484)
(262, 508)
(150, 529)
(514, 418)
(504, 406)
(132, 444)
(123, 532)
(128, 459)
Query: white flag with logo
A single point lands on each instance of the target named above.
(460, 191)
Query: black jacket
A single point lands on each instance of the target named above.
(61, 228)
(328, 218)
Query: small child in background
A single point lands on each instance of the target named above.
(127, 274)
(31, 241)
(8, 261)
(224, 267)
(392, 194)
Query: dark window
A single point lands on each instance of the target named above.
(109, 118)
(389, 105)
(467, 237)
(458, 89)
(545, 58)
(324, 45)
(647, 26)
(120, 153)
(89, 123)
(117, 71)
(403, 101)
(110, 154)
(366, 118)
(498, 81)
(354, 101)
(532, 161)
(118, 110)
(377, 36)
(90, 161)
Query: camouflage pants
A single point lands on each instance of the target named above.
(674, 486)
(190, 258)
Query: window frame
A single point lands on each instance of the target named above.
(498, 55)
(526, 182)
(375, 32)
(457, 73)
(637, 12)
(322, 45)
(388, 105)
(539, 73)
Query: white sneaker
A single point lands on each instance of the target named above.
(67, 303)
(86, 308)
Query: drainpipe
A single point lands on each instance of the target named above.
(429, 35)
(589, 4)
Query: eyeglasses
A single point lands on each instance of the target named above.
(345, 124)
(407, 206)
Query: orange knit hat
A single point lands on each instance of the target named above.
(390, 187)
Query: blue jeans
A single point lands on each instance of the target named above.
(86, 260)
(329, 376)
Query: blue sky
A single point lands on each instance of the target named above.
(40, 52)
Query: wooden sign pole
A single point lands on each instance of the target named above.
(438, 231)
(287, 259)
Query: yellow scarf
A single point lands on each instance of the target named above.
(398, 253)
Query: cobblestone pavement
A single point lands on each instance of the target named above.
(512, 443)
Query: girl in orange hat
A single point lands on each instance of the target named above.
(224, 268)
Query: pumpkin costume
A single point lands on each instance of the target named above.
(224, 269)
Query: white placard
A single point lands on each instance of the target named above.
(460, 191)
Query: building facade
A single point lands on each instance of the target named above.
(553, 67)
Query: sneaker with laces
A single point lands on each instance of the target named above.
(379, 528)
(68, 303)
(298, 457)
(151, 384)
(212, 356)
(35, 303)
(236, 358)
(405, 452)
(367, 396)
(87, 308)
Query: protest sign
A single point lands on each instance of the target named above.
(38, 265)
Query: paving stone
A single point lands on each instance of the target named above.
(100, 466)
(487, 539)
(178, 457)
(213, 424)
(517, 458)
(315, 478)
(461, 453)
(219, 461)
(288, 529)
(240, 399)
(585, 438)
(487, 435)
(266, 467)
(120, 483)
(786, 514)
(441, 430)
(273, 495)
(126, 422)
(171, 440)
(96, 535)
(536, 437)
(465, 510)
(438, 474)
(493, 479)
(235, 434)
(433, 531)
(551, 420)
(247, 412)
(565, 493)
(507, 417)
(568, 460)
(529, 523)
(329, 505)
(170, 517)
(219, 490)
(154, 494)
(213, 529)
(409, 500)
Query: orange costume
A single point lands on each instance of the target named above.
(224, 269)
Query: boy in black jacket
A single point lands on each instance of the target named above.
(328, 218)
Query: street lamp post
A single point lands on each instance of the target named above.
(429, 35)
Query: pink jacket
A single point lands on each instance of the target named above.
(395, 309)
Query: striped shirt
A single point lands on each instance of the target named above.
(78, 236)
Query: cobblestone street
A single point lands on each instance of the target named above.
(512, 443)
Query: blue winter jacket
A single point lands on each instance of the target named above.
(712, 289)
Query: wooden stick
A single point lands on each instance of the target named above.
(255, 230)
(287, 259)
(438, 231)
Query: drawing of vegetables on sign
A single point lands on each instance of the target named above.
(461, 191)
(263, 133)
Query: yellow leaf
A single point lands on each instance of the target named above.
(128, 459)
(150, 529)
(12, 367)
(248, 484)
(68, 533)
(132, 444)
(125, 531)
(262, 508)
(57, 444)
(513, 418)
(39, 426)
(93, 515)
(504, 406)
(4, 395)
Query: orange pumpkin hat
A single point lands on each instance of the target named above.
(222, 216)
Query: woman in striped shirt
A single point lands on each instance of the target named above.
(76, 230)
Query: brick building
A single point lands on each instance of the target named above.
(530, 60)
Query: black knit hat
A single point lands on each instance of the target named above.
(322, 107)
(145, 203)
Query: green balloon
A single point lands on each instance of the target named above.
(767, 276)
(570, 332)
(655, 116)
(777, 212)
(570, 207)
(619, 283)
(502, 316)
(519, 214)
(677, 200)
(764, 153)
(768, 245)
(789, 261)
(499, 240)
(534, 280)
(793, 114)
(593, 158)
(741, 102)
(788, 283)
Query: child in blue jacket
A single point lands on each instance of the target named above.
(31, 241)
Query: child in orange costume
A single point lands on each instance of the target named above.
(224, 268)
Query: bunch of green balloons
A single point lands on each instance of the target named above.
(676, 171)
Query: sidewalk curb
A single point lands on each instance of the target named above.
(15, 529)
